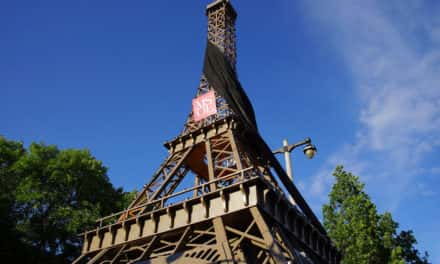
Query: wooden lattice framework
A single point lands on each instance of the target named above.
(235, 212)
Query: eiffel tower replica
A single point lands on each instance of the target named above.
(235, 211)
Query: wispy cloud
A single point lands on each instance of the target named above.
(391, 49)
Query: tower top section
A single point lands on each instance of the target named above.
(221, 28)
(220, 3)
(219, 78)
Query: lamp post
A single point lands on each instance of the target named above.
(309, 150)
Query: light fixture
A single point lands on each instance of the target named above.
(310, 151)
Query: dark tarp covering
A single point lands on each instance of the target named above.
(223, 78)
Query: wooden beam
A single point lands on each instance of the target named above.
(269, 240)
(182, 239)
(242, 237)
(98, 256)
(174, 170)
(235, 149)
(244, 234)
(148, 250)
(210, 161)
(115, 258)
(222, 241)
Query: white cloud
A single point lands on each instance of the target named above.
(425, 190)
(398, 83)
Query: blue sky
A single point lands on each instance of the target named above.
(361, 78)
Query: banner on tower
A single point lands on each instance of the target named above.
(204, 106)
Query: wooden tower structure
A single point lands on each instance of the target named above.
(235, 212)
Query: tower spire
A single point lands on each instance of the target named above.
(221, 28)
(219, 73)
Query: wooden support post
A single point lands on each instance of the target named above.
(269, 240)
(211, 172)
(222, 241)
(182, 240)
(235, 150)
(196, 183)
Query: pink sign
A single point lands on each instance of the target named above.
(204, 106)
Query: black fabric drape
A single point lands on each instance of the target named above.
(223, 78)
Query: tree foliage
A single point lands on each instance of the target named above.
(48, 196)
(362, 234)
(10, 153)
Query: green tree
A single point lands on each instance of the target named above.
(10, 153)
(351, 220)
(396, 256)
(126, 199)
(10, 244)
(406, 241)
(50, 196)
(386, 233)
(360, 233)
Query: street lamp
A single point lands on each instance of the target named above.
(309, 150)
